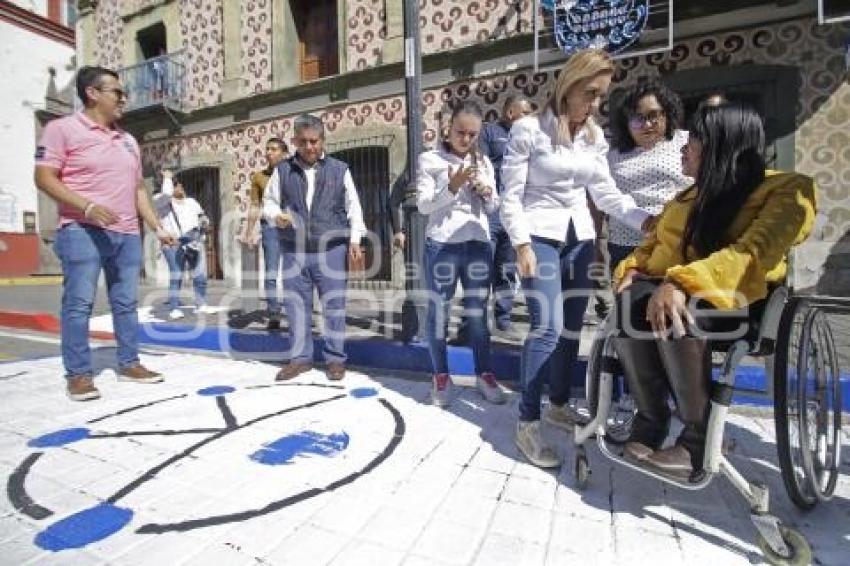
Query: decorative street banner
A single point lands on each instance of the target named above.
(612, 25)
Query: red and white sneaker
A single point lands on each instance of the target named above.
(488, 386)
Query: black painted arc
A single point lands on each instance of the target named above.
(226, 413)
(17, 493)
(125, 434)
(150, 474)
(398, 434)
(134, 408)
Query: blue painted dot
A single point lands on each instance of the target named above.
(285, 449)
(59, 438)
(83, 528)
(216, 390)
(363, 392)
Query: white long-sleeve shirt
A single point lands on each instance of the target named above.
(454, 217)
(187, 210)
(546, 184)
(272, 206)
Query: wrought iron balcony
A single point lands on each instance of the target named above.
(158, 81)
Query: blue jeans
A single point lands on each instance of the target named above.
(302, 271)
(503, 277)
(444, 265)
(616, 254)
(271, 256)
(84, 250)
(178, 261)
(548, 355)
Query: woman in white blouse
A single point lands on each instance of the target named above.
(552, 161)
(456, 189)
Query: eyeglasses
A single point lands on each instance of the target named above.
(638, 121)
(117, 91)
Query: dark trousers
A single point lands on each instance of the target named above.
(445, 265)
(679, 365)
(326, 271)
(557, 298)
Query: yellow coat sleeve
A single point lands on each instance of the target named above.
(736, 275)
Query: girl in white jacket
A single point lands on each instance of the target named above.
(456, 189)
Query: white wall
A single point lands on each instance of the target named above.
(24, 60)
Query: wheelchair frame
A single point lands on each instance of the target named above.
(810, 472)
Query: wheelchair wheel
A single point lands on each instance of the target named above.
(801, 552)
(807, 402)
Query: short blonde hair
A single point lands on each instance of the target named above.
(581, 66)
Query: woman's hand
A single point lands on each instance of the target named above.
(459, 178)
(627, 280)
(668, 303)
(526, 261)
(649, 224)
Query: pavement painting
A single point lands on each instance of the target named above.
(222, 465)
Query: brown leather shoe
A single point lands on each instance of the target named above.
(335, 371)
(292, 370)
(81, 388)
(674, 461)
(636, 452)
(139, 374)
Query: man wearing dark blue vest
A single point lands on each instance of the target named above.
(312, 201)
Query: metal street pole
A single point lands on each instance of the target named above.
(412, 312)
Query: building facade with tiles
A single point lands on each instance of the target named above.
(238, 73)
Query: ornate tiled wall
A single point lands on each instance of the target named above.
(366, 26)
(202, 32)
(256, 41)
(448, 24)
(108, 32)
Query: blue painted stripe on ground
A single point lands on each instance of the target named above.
(386, 354)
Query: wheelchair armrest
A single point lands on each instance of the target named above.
(769, 326)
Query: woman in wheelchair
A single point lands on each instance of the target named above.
(716, 250)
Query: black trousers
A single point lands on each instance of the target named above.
(683, 366)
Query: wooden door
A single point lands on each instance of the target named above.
(316, 21)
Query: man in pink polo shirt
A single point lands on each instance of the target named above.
(92, 169)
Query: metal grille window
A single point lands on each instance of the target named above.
(368, 160)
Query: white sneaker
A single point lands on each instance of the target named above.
(488, 386)
(561, 416)
(206, 309)
(530, 442)
(176, 314)
(441, 389)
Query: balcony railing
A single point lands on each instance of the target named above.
(156, 81)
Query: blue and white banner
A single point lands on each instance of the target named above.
(612, 25)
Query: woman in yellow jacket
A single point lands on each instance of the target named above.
(718, 246)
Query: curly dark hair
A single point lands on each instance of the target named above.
(645, 86)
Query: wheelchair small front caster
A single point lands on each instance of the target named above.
(581, 469)
(799, 551)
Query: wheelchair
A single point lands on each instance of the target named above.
(792, 336)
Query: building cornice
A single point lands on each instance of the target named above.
(32, 22)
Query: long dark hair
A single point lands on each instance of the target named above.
(731, 168)
(645, 86)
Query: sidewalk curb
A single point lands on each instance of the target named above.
(41, 322)
(362, 352)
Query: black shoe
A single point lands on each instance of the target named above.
(273, 324)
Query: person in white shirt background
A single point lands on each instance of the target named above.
(553, 160)
(455, 189)
(320, 226)
(183, 217)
